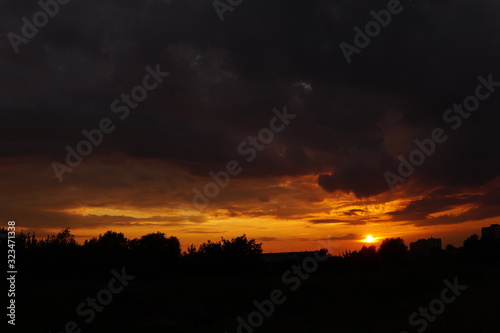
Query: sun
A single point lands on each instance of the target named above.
(369, 239)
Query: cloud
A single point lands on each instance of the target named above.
(353, 121)
(338, 238)
(450, 206)
(353, 212)
(336, 221)
(264, 198)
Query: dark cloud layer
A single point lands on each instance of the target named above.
(478, 206)
(226, 77)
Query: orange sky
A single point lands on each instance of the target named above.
(284, 213)
(108, 125)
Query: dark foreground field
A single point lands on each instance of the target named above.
(328, 301)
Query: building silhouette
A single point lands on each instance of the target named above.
(492, 232)
(425, 246)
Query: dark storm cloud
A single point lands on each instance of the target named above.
(352, 120)
(474, 207)
(432, 203)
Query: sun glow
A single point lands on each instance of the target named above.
(369, 239)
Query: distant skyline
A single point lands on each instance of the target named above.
(335, 244)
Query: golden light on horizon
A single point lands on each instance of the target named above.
(369, 239)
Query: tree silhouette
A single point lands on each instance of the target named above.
(236, 248)
(210, 250)
(107, 250)
(368, 251)
(393, 247)
(110, 241)
(233, 256)
(157, 245)
(241, 247)
(26, 240)
(63, 239)
(155, 254)
(393, 251)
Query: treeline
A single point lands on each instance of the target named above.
(153, 255)
(156, 255)
(394, 253)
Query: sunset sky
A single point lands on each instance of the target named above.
(320, 178)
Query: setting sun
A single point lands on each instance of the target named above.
(369, 239)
